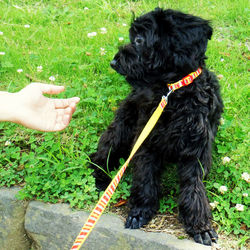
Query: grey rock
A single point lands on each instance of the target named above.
(12, 214)
(55, 226)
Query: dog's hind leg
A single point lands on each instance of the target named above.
(144, 198)
(115, 143)
(193, 204)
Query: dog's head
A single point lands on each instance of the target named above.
(164, 44)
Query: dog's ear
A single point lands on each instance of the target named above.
(208, 30)
(171, 21)
(183, 36)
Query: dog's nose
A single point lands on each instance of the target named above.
(113, 63)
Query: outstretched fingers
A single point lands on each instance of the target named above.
(64, 103)
(62, 119)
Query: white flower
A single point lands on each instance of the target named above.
(7, 143)
(245, 194)
(103, 30)
(239, 207)
(247, 44)
(220, 76)
(124, 24)
(92, 34)
(121, 39)
(103, 51)
(19, 70)
(214, 204)
(222, 121)
(223, 189)
(86, 8)
(226, 160)
(1, 33)
(39, 68)
(245, 176)
(52, 78)
(2, 53)
(27, 26)
(222, 59)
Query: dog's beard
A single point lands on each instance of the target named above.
(129, 66)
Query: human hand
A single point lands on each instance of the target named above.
(35, 111)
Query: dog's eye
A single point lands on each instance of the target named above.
(139, 40)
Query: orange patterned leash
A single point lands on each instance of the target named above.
(98, 210)
(103, 202)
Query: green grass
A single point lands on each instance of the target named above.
(53, 166)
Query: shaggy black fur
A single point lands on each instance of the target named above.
(166, 45)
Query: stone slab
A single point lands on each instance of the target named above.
(12, 214)
(55, 226)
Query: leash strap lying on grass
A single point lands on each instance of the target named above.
(103, 202)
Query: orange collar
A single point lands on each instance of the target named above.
(185, 81)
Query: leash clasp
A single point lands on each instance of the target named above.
(165, 97)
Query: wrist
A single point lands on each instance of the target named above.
(9, 106)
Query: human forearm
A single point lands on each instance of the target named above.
(8, 106)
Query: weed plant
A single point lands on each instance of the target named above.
(71, 43)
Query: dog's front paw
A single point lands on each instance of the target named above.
(206, 238)
(135, 222)
(138, 217)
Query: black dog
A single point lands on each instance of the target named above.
(165, 46)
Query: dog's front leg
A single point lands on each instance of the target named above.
(144, 198)
(114, 143)
(193, 204)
